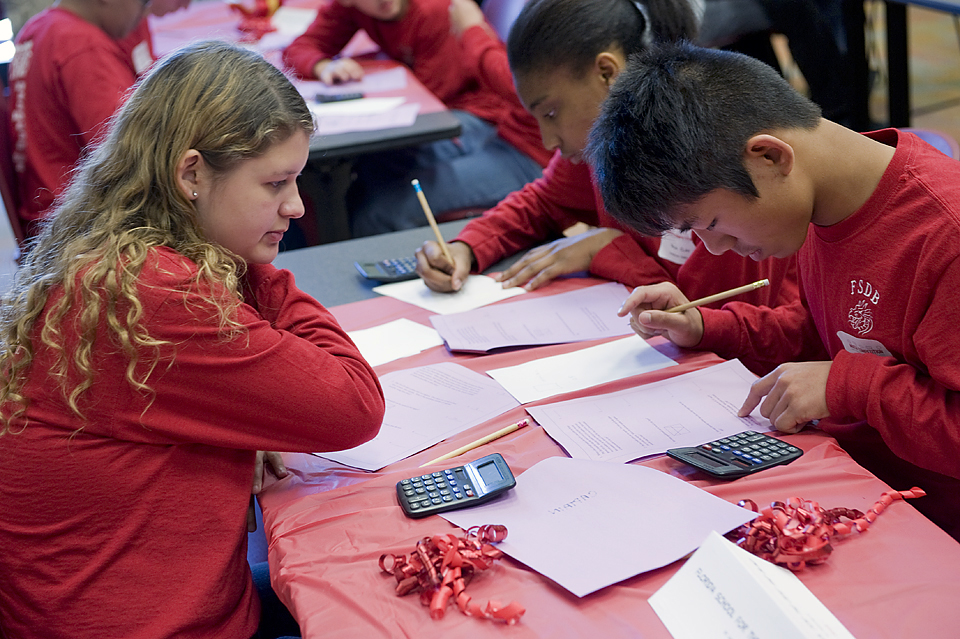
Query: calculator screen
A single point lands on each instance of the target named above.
(708, 461)
(489, 473)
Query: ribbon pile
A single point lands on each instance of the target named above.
(443, 565)
(798, 532)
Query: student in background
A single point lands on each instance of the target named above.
(498, 150)
(139, 43)
(67, 77)
(149, 350)
(718, 143)
(565, 55)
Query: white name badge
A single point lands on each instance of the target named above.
(141, 57)
(859, 345)
(675, 246)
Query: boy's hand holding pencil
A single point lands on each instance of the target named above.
(661, 309)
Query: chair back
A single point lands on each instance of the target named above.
(8, 177)
(501, 14)
(943, 142)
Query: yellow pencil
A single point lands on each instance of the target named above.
(719, 296)
(480, 442)
(431, 219)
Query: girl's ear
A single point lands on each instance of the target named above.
(188, 173)
(608, 66)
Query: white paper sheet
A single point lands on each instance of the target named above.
(686, 410)
(402, 116)
(549, 376)
(393, 340)
(424, 406)
(724, 591)
(355, 108)
(588, 524)
(477, 291)
(584, 314)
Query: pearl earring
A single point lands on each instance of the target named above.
(194, 194)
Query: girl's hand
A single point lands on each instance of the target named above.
(561, 257)
(646, 305)
(275, 461)
(437, 271)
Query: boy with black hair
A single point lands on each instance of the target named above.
(718, 143)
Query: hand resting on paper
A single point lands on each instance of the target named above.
(646, 305)
(277, 467)
(337, 71)
(437, 271)
(793, 395)
(561, 257)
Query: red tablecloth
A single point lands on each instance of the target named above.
(327, 526)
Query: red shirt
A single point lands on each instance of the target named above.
(883, 289)
(132, 524)
(67, 78)
(422, 40)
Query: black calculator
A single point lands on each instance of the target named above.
(395, 270)
(457, 487)
(738, 455)
(324, 98)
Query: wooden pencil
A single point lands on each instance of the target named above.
(432, 220)
(480, 442)
(719, 296)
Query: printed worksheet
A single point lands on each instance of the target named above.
(576, 316)
(426, 405)
(686, 410)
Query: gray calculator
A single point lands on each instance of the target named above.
(456, 487)
(738, 455)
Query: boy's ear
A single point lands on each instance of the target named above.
(188, 173)
(770, 152)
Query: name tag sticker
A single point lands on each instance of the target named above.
(675, 246)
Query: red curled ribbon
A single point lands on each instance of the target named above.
(798, 532)
(440, 567)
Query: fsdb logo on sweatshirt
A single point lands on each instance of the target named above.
(860, 319)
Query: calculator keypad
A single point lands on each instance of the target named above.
(752, 448)
(427, 492)
(399, 267)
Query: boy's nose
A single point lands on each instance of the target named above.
(716, 243)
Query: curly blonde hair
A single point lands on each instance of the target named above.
(227, 103)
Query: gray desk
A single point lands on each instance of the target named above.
(327, 272)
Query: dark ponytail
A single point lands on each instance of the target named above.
(570, 33)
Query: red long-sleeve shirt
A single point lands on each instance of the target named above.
(66, 79)
(135, 526)
(423, 41)
(883, 289)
